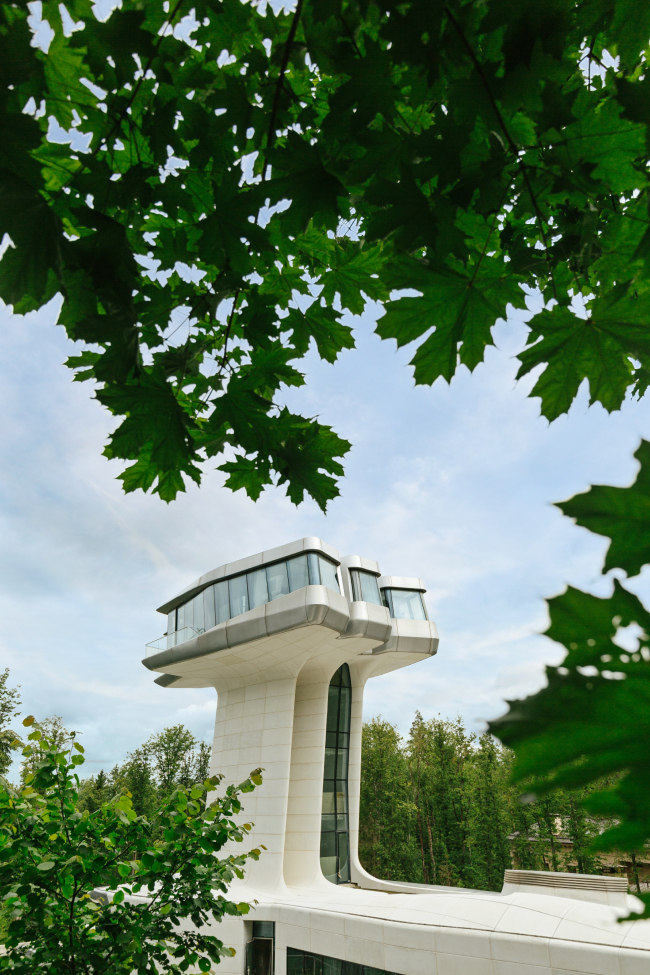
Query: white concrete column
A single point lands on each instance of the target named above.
(253, 729)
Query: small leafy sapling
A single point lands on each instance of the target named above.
(112, 892)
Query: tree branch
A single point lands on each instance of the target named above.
(509, 139)
(270, 138)
(229, 326)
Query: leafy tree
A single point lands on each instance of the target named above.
(489, 822)
(590, 724)
(136, 776)
(151, 772)
(95, 792)
(440, 808)
(51, 730)
(56, 859)
(387, 836)
(174, 757)
(222, 187)
(9, 704)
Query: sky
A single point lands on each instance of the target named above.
(453, 483)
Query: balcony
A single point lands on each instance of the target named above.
(169, 640)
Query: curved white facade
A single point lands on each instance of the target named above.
(272, 666)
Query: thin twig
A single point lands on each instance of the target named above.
(134, 93)
(270, 138)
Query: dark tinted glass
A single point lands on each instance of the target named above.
(335, 822)
(301, 962)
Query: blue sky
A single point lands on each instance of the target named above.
(451, 483)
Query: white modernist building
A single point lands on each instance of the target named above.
(289, 638)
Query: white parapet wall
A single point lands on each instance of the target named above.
(272, 666)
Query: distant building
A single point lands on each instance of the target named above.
(289, 638)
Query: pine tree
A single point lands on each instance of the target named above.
(489, 820)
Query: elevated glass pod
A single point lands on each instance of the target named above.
(231, 597)
(404, 604)
(365, 587)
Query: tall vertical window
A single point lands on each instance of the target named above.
(335, 828)
(364, 587)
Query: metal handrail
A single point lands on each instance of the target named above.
(169, 640)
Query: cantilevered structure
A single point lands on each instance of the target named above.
(289, 638)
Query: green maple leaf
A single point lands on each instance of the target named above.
(593, 718)
(354, 273)
(598, 348)
(321, 324)
(621, 514)
(461, 309)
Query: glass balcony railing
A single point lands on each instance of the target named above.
(169, 640)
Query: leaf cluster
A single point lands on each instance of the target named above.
(210, 185)
(111, 891)
(592, 720)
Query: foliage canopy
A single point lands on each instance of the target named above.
(108, 891)
(209, 196)
(593, 717)
(439, 808)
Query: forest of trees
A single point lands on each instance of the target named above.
(151, 772)
(438, 808)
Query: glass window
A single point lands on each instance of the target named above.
(221, 602)
(328, 574)
(208, 607)
(199, 622)
(344, 858)
(301, 962)
(334, 816)
(238, 596)
(235, 596)
(364, 587)
(329, 795)
(258, 593)
(298, 573)
(405, 604)
(314, 573)
(277, 580)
